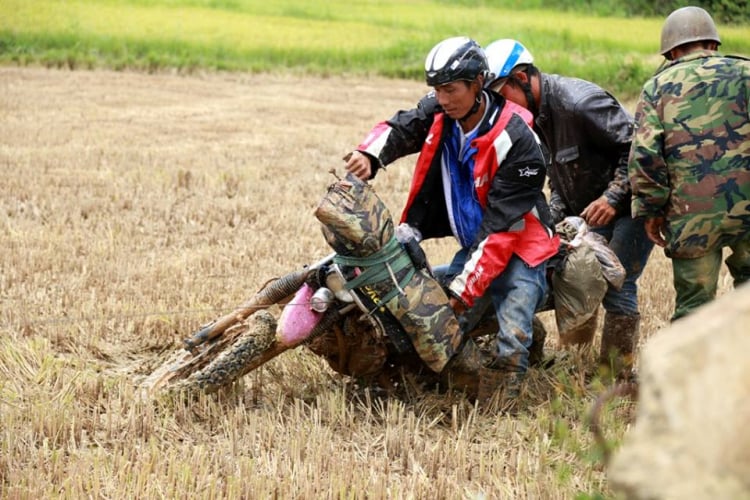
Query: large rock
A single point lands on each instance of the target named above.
(691, 438)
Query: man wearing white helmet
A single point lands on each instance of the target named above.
(587, 134)
(479, 178)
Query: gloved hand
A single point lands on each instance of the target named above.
(405, 232)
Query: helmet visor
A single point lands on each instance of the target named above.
(497, 83)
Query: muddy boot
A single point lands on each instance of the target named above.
(619, 339)
(539, 335)
(499, 389)
(582, 335)
(462, 371)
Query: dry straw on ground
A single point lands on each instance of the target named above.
(137, 207)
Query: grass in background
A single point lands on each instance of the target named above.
(387, 38)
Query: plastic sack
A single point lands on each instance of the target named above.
(612, 268)
(574, 229)
(578, 283)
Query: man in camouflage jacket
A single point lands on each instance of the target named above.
(690, 159)
(587, 136)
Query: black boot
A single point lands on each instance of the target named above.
(539, 335)
(619, 340)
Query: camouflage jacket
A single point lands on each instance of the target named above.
(587, 135)
(690, 159)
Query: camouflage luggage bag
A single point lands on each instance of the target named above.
(359, 227)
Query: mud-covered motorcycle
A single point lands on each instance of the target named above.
(373, 309)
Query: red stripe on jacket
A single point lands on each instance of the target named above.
(533, 243)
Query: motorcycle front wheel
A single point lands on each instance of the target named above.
(220, 361)
(228, 348)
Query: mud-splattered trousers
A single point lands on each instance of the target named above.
(696, 280)
(516, 295)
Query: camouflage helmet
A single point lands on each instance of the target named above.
(454, 59)
(685, 25)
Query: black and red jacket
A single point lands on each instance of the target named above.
(509, 175)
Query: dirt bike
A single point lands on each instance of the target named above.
(373, 309)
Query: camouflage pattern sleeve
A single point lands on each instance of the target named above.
(647, 170)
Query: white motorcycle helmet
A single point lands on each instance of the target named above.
(454, 59)
(503, 56)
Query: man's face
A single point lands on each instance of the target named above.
(456, 98)
(513, 92)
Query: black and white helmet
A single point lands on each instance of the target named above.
(454, 59)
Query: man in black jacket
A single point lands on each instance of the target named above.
(587, 135)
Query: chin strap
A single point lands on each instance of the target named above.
(474, 108)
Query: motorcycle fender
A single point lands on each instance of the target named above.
(297, 319)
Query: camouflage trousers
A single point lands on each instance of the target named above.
(696, 280)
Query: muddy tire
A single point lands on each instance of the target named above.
(219, 362)
(241, 357)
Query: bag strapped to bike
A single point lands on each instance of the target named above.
(359, 227)
(378, 267)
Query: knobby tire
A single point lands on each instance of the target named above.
(237, 343)
(220, 361)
